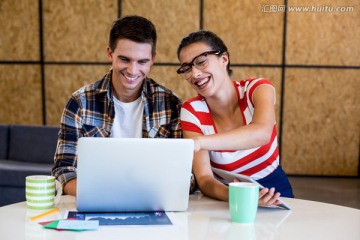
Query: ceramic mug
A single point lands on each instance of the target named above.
(243, 201)
(40, 192)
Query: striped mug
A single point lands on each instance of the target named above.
(40, 192)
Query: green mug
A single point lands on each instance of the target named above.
(243, 201)
(40, 192)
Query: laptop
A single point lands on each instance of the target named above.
(133, 174)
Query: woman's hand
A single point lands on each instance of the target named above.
(268, 197)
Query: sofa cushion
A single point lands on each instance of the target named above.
(4, 138)
(13, 173)
(10, 195)
(35, 144)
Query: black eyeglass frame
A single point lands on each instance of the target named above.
(191, 64)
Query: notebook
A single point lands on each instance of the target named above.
(133, 174)
(230, 176)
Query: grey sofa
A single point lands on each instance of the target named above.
(24, 150)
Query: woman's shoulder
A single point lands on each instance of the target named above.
(252, 81)
(250, 84)
(195, 99)
(197, 103)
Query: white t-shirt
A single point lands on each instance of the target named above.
(128, 119)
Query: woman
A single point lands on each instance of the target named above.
(232, 122)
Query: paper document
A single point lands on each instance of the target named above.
(138, 218)
(72, 225)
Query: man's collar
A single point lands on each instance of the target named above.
(106, 84)
(146, 88)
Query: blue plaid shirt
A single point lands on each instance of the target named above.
(90, 113)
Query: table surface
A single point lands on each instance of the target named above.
(205, 219)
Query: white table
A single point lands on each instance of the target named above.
(205, 219)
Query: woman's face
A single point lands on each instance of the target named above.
(205, 69)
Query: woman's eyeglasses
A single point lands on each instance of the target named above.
(200, 62)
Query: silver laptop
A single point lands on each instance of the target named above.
(133, 174)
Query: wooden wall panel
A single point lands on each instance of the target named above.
(172, 19)
(273, 74)
(19, 30)
(168, 77)
(252, 36)
(77, 31)
(324, 37)
(321, 122)
(62, 81)
(20, 87)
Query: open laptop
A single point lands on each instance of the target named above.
(133, 174)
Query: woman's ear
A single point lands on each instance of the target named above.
(225, 57)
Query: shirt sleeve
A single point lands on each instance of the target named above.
(189, 121)
(64, 168)
(176, 131)
(254, 84)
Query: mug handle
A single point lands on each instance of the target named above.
(59, 191)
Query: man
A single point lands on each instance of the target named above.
(124, 103)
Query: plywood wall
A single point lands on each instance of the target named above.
(48, 49)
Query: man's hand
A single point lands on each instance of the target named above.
(70, 187)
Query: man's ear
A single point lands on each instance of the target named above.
(109, 54)
(153, 59)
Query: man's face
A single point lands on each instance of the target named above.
(131, 63)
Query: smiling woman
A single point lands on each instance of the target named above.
(232, 122)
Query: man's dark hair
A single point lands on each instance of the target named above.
(134, 28)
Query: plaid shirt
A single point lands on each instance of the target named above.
(90, 113)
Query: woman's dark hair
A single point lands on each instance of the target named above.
(209, 38)
(134, 28)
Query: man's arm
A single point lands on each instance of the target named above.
(70, 187)
(64, 168)
(176, 131)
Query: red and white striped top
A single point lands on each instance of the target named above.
(256, 162)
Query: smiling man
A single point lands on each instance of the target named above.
(124, 103)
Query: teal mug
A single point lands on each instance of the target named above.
(243, 201)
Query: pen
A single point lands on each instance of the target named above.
(45, 214)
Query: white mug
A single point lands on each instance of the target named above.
(40, 192)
